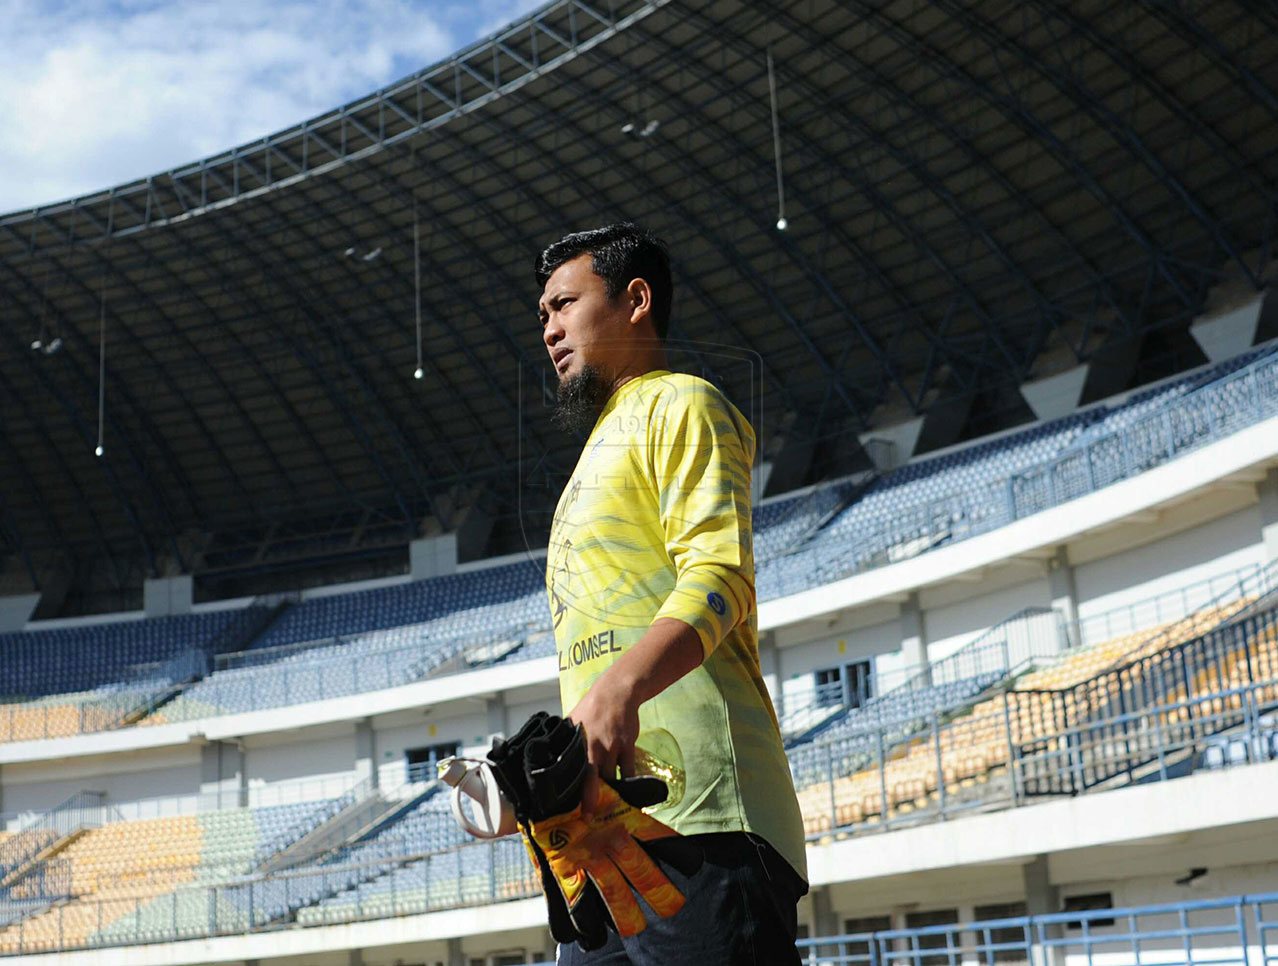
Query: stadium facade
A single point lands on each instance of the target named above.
(1013, 365)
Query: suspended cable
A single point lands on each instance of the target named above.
(417, 288)
(101, 367)
(782, 224)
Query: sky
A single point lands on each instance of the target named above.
(95, 94)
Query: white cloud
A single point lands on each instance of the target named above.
(94, 94)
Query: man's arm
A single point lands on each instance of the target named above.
(668, 650)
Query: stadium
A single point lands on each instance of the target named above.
(994, 284)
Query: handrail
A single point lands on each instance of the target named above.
(1079, 632)
(1036, 643)
(82, 810)
(323, 811)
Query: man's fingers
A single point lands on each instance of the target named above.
(590, 792)
(626, 761)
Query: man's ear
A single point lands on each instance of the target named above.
(639, 292)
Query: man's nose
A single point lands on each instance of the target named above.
(552, 332)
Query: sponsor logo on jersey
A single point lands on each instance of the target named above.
(588, 649)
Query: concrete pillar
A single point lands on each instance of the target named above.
(914, 637)
(1064, 593)
(825, 922)
(498, 718)
(223, 782)
(1042, 898)
(892, 446)
(1267, 490)
(366, 751)
(971, 956)
(455, 955)
(1228, 333)
(355, 957)
(168, 595)
(433, 556)
(900, 920)
(16, 610)
(1056, 395)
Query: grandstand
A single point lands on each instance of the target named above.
(1013, 366)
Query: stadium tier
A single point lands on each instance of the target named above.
(369, 640)
(1167, 703)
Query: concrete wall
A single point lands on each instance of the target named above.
(1185, 558)
(329, 758)
(963, 617)
(37, 787)
(879, 643)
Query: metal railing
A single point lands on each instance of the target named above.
(1032, 636)
(342, 674)
(82, 810)
(1012, 645)
(1018, 744)
(1231, 931)
(293, 792)
(1236, 931)
(324, 811)
(1170, 605)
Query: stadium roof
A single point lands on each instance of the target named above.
(971, 188)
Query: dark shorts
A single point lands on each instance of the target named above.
(741, 910)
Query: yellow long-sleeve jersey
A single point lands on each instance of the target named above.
(655, 522)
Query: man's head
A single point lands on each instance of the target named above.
(604, 308)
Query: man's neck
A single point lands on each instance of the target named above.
(650, 363)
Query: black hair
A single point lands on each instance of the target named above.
(618, 254)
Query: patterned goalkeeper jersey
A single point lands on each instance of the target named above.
(655, 522)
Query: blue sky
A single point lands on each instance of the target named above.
(93, 94)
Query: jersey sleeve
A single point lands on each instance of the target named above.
(700, 452)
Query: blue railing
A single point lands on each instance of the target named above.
(1235, 931)
(1220, 932)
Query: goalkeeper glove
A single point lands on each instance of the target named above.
(587, 866)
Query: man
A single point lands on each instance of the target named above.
(650, 576)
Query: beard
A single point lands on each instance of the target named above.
(580, 400)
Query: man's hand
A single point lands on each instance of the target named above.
(610, 716)
(609, 711)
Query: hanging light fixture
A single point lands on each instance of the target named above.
(100, 449)
(419, 372)
(782, 224)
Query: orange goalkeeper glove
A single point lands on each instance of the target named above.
(587, 867)
(605, 850)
